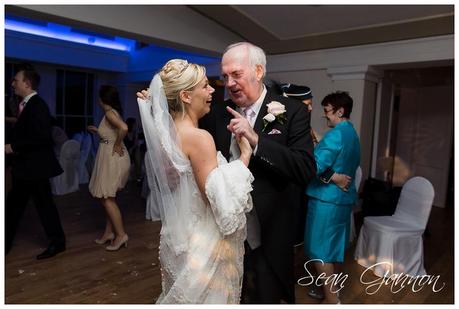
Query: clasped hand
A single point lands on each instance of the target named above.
(342, 181)
(142, 94)
(240, 126)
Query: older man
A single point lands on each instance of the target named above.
(278, 130)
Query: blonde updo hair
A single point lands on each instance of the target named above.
(178, 75)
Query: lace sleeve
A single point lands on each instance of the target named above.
(228, 190)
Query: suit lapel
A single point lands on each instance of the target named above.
(258, 126)
(25, 112)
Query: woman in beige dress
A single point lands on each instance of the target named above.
(111, 169)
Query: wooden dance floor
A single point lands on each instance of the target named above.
(88, 274)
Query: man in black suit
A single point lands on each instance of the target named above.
(282, 159)
(33, 163)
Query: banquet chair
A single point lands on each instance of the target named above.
(68, 181)
(391, 245)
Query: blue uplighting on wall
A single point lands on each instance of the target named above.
(60, 32)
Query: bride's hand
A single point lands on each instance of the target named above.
(143, 94)
(246, 149)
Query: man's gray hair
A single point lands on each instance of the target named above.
(256, 54)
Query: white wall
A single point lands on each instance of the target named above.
(355, 69)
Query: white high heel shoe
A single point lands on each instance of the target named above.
(103, 240)
(116, 247)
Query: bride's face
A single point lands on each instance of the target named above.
(201, 97)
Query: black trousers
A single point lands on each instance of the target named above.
(260, 285)
(18, 197)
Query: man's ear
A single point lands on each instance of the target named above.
(259, 71)
(28, 83)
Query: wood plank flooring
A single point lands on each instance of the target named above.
(88, 274)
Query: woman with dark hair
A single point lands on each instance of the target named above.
(327, 230)
(111, 168)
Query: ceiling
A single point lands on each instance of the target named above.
(292, 28)
(278, 29)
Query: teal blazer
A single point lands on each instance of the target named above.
(340, 150)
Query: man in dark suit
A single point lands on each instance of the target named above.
(33, 163)
(282, 159)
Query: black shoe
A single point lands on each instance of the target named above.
(51, 251)
(316, 292)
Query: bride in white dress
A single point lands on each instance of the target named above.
(202, 198)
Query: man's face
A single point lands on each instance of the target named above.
(242, 81)
(20, 86)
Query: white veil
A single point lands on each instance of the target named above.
(166, 167)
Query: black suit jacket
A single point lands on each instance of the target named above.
(283, 163)
(32, 144)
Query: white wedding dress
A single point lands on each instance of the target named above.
(210, 269)
(202, 239)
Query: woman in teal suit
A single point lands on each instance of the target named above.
(329, 209)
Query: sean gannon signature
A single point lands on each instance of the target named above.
(397, 282)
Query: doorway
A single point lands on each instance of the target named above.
(421, 137)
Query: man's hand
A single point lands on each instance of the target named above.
(240, 126)
(143, 94)
(8, 149)
(118, 149)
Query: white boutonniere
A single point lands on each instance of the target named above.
(276, 111)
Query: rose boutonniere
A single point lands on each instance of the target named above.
(276, 111)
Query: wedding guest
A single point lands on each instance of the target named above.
(303, 94)
(327, 230)
(33, 163)
(111, 168)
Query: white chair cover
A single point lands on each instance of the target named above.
(67, 182)
(357, 181)
(84, 154)
(395, 242)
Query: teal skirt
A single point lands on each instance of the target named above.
(326, 236)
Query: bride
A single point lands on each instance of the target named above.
(202, 198)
